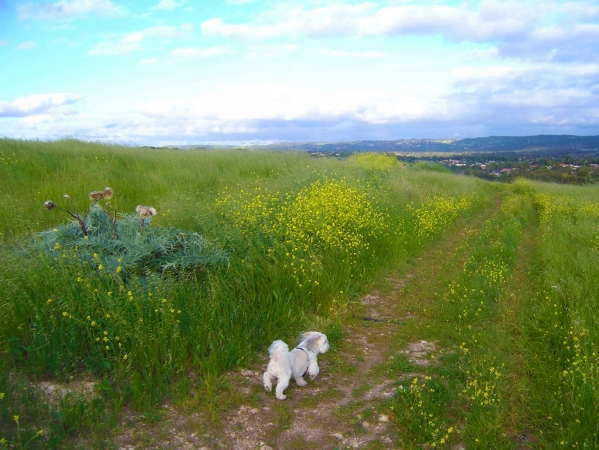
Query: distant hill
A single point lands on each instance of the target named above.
(483, 144)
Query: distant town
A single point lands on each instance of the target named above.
(555, 158)
(560, 159)
(568, 167)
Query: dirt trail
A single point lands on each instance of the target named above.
(339, 408)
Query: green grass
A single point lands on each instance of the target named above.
(518, 302)
(293, 240)
(301, 238)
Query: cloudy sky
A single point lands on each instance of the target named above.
(188, 71)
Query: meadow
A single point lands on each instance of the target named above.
(250, 246)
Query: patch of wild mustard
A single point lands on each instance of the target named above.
(418, 408)
(439, 212)
(490, 271)
(481, 378)
(331, 217)
(374, 162)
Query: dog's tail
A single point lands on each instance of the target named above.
(278, 347)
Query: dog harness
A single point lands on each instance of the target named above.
(307, 354)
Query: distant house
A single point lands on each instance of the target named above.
(506, 170)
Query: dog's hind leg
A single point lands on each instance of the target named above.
(281, 386)
(266, 380)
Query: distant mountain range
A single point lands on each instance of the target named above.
(483, 144)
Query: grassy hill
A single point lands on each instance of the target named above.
(250, 246)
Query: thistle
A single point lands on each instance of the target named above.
(95, 197)
(107, 193)
(145, 212)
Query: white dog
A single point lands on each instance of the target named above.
(296, 363)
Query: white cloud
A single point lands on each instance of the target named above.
(582, 70)
(454, 22)
(130, 42)
(485, 100)
(271, 51)
(36, 104)
(493, 20)
(192, 52)
(556, 42)
(241, 2)
(561, 97)
(250, 102)
(68, 8)
(335, 19)
(535, 29)
(281, 50)
(478, 54)
(530, 76)
(166, 4)
(149, 61)
(352, 54)
(27, 45)
(468, 73)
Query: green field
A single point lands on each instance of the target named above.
(251, 246)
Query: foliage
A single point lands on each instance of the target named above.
(375, 162)
(417, 409)
(561, 315)
(134, 250)
(439, 212)
(301, 237)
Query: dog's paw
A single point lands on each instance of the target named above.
(281, 397)
(300, 381)
(267, 388)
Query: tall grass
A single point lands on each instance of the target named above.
(521, 312)
(471, 401)
(561, 316)
(180, 184)
(301, 237)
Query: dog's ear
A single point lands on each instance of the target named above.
(315, 341)
(303, 337)
(308, 338)
(323, 343)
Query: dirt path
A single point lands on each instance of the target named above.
(340, 408)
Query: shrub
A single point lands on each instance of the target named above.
(126, 245)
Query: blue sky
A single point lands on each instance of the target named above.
(165, 72)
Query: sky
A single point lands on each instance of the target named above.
(174, 72)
